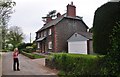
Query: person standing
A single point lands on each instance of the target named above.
(16, 60)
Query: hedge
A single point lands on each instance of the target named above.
(75, 64)
(32, 56)
(105, 19)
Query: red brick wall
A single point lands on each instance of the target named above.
(71, 10)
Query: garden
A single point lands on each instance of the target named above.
(28, 50)
(76, 65)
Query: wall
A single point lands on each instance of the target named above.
(91, 46)
(64, 30)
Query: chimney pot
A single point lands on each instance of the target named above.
(71, 10)
(58, 14)
(48, 19)
(71, 3)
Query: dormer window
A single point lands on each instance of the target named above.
(44, 33)
(50, 31)
(41, 34)
(38, 35)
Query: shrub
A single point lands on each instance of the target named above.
(25, 47)
(104, 21)
(111, 62)
(76, 64)
(32, 56)
(28, 49)
(4, 50)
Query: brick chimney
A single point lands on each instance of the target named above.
(48, 19)
(71, 10)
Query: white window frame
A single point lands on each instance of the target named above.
(50, 45)
(38, 35)
(45, 34)
(38, 45)
(50, 31)
(41, 34)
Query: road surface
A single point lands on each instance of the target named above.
(0, 64)
(27, 66)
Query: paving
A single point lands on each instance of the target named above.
(0, 64)
(27, 66)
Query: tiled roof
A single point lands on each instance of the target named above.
(51, 23)
(86, 34)
(57, 20)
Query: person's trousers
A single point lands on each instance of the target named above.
(16, 62)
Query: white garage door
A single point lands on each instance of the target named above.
(77, 47)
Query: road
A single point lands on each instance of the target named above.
(27, 66)
(0, 64)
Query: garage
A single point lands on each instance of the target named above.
(78, 43)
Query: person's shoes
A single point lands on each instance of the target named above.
(14, 70)
(18, 69)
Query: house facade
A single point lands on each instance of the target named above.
(54, 34)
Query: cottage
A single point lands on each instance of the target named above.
(54, 34)
(80, 43)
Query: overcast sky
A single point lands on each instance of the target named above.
(28, 13)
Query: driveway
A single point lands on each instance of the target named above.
(0, 65)
(27, 66)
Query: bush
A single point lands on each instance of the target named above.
(4, 50)
(104, 21)
(76, 64)
(27, 47)
(111, 62)
(32, 56)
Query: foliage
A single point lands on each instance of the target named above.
(91, 30)
(5, 14)
(4, 50)
(15, 36)
(32, 56)
(34, 46)
(21, 46)
(104, 21)
(61, 74)
(76, 64)
(51, 14)
(27, 47)
(112, 59)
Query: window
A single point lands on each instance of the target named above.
(75, 35)
(38, 35)
(41, 34)
(44, 33)
(38, 45)
(50, 45)
(50, 31)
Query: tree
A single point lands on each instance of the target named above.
(15, 36)
(111, 64)
(5, 14)
(104, 21)
(51, 14)
(91, 30)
